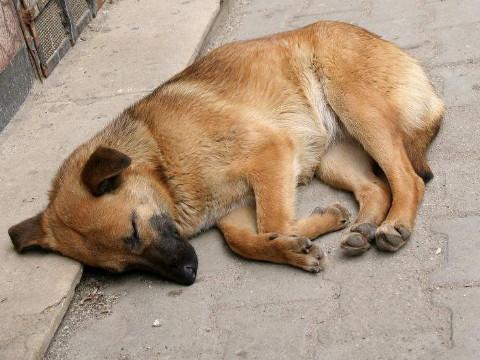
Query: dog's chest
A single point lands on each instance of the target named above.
(223, 197)
(314, 126)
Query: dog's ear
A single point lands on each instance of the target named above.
(29, 233)
(102, 172)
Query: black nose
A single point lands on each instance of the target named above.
(189, 274)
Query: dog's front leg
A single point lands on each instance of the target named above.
(240, 232)
(272, 175)
(271, 232)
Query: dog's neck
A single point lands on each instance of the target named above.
(174, 166)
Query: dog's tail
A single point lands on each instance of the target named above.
(417, 144)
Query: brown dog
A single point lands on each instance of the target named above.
(225, 143)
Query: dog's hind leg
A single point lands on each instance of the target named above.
(347, 166)
(239, 229)
(376, 125)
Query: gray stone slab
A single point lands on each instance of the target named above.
(458, 138)
(464, 307)
(264, 318)
(92, 85)
(453, 13)
(211, 242)
(462, 254)
(315, 10)
(280, 330)
(461, 184)
(185, 329)
(457, 44)
(461, 84)
(392, 9)
(408, 33)
(122, 54)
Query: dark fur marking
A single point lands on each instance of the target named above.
(164, 225)
(102, 170)
(426, 176)
(27, 233)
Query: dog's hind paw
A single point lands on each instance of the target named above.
(391, 238)
(354, 243)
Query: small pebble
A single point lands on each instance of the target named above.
(156, 323)
(438, 251)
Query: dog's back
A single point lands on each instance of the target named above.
(302, 80)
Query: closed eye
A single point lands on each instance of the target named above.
(133, 241)
(135, 235)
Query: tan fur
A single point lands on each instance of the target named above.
(240, 128)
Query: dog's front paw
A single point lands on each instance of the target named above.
(339, 214)
(300, 252)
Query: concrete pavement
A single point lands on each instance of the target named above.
(421, 303)
(130, 48)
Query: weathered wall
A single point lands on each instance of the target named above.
(10, 35)
(16, 74)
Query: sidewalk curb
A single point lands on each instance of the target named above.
(62, 310)
(36, 289)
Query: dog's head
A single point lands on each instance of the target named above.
(112, 211)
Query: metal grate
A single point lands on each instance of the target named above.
(50, 29)
(77, 9)
(41, 3)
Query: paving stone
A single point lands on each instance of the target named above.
(110, 54)
(461, 84)
(214, 255)
(265, 318)
(271, 331)
(458, 44)
(391, 9)
(461, 182)
(407, 33)
(462, 254)
(184, 329)
(465, 329)
(458, 138)
(453, 13)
